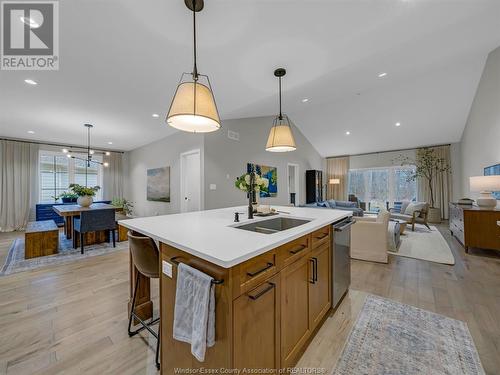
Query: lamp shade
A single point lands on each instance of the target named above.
(484, 183)
(280, 136)
(334, 181)
(193, 109)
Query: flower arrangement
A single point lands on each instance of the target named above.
(83, 191)
(243, 183)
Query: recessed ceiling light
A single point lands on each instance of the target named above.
(383, 74)
(30, 82)
(68, 155)
(347, 133)
(110, 143)
(108, 153)
(65, 150)
(398, 124)
(305, 100)
(31, 132)
(155, 115)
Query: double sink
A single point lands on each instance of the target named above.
(273, 225)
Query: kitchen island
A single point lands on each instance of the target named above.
(274, 279)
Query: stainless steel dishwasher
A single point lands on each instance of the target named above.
(341, 258)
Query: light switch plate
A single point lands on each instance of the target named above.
(166, 268)
(213, 187)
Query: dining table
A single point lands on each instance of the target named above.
(69, 211)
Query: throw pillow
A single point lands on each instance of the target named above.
(404, 206)
(332, 203)
(322, 204)
(414, 206)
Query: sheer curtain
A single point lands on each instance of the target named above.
(441, 184)
(18, 183)
(113, 177)
(337, 168)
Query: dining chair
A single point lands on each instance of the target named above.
(93, 221)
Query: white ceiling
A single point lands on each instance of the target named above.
(120, 61)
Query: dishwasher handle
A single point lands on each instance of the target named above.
(343, 225)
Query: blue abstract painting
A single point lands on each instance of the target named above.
(271, 173)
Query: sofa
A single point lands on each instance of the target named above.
(338, 205)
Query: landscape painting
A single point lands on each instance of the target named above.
(271, 173)
(158, 184)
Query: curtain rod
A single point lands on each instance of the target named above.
(383, 152)
(54, 144)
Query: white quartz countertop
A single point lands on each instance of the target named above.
(211, 235)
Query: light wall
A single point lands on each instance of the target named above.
(226, 159)
(480, 146)
(223, 159)
(162, 153)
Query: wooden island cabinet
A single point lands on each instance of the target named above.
(267, 309)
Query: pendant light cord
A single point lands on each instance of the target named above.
(280, 116)
(195, 68)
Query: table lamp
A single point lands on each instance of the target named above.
(485, 185)
(334, 181)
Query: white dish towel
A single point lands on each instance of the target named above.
(194, 311)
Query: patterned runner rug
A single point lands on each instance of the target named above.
(391, 338)
(15, 261)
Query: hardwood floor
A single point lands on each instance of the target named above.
(72, 318)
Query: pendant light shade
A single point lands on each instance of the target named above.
(193, 107)
(280, 136)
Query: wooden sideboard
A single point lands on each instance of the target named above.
(475, 227)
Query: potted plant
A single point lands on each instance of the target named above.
(85, 194)
(67, 197)
(427, 166)
(126, 205)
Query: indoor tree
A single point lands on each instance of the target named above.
(427, 165)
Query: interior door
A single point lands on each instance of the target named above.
(191, 181)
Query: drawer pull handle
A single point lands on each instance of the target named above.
(321, 237)
(315, 268)
(262, 292)
(255, 273)
(298, 249)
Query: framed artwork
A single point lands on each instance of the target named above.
(158, 184)
(271, 173)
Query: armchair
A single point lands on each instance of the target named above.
(369, 238)
(414, 213)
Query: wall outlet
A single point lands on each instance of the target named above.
(166, 268)
(213, 187)
(235, 136)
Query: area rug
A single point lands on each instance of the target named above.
(425, 244)
(15, 261)
(391, 338)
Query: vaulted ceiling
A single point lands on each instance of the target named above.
(121, 60)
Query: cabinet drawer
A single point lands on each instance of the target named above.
(251, 273)
(292, 251)
(320, 237)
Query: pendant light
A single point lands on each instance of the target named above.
(280, 137)
(193, 107)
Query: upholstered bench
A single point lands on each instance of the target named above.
(41, 238)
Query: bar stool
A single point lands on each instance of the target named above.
(145, 255)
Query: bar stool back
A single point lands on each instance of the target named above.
(145, 256)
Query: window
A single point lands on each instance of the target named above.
(57, 172)
(380, 185)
